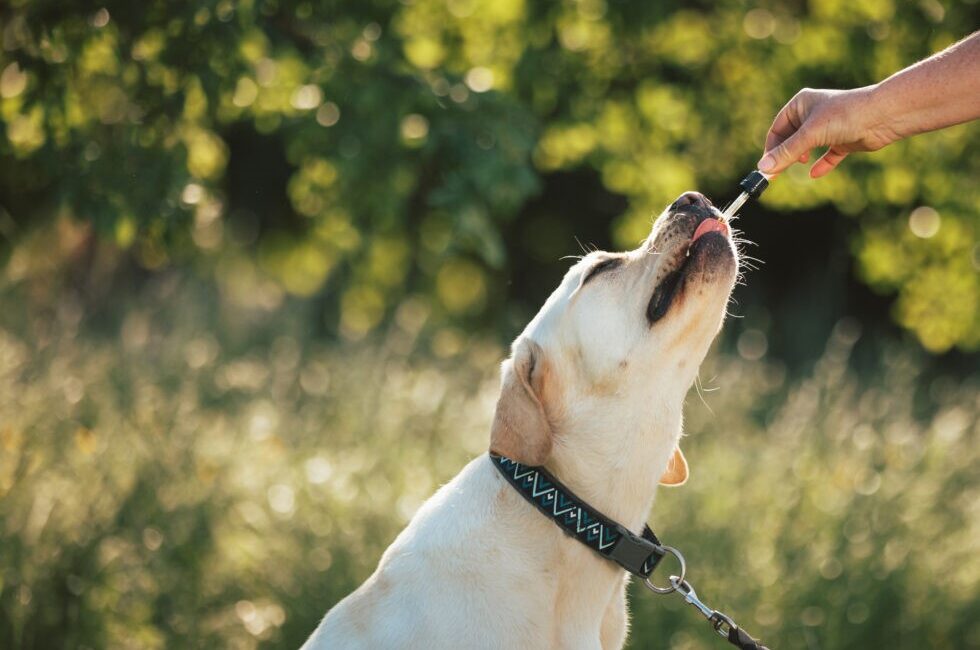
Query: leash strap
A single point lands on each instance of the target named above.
(741, 639)
(637, 554)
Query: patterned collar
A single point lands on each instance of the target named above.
(637, 554)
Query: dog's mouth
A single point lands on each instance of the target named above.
(710, 235)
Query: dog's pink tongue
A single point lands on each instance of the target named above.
(710, 225)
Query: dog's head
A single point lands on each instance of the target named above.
(607, 361)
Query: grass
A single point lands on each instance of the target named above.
(205, 473)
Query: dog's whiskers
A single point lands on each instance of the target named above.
(585, 249)
(700, 391)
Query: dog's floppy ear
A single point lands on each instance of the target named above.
(676, 472)
(520, 428)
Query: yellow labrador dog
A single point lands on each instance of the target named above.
(593, 392)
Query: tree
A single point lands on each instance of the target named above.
(370, 153)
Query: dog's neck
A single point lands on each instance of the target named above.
(616, 461)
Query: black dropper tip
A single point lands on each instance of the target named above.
(754, 184)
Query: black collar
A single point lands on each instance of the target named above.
(637, 554)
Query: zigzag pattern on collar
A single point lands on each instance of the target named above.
(638, 555)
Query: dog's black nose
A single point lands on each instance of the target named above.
(691, 198)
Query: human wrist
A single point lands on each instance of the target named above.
(884, 117)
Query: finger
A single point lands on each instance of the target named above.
(805, 157)
(785, 124)
(827, 162)
(792, 149)
(779, 131)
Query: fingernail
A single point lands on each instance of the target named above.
(767, 163)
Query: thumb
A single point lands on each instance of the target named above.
(788, 152)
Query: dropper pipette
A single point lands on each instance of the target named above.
(752, 186)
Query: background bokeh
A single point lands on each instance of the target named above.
(259, 261)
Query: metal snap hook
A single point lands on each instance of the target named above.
(673, 585)
(686, 589)
(722, 623)
(719, 621)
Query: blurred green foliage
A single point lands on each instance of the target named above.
(370, 152)
(204, 474)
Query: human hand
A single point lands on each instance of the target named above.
(843, 120)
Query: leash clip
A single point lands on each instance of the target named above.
(722, 623)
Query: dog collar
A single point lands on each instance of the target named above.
(638, 554)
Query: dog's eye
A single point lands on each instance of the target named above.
(604, 265)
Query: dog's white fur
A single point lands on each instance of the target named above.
(594, 393)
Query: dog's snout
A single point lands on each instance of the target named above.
(691, 198)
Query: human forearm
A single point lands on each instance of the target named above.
(937, 92)
(940, 91)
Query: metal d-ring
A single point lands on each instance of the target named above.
(673, 585)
